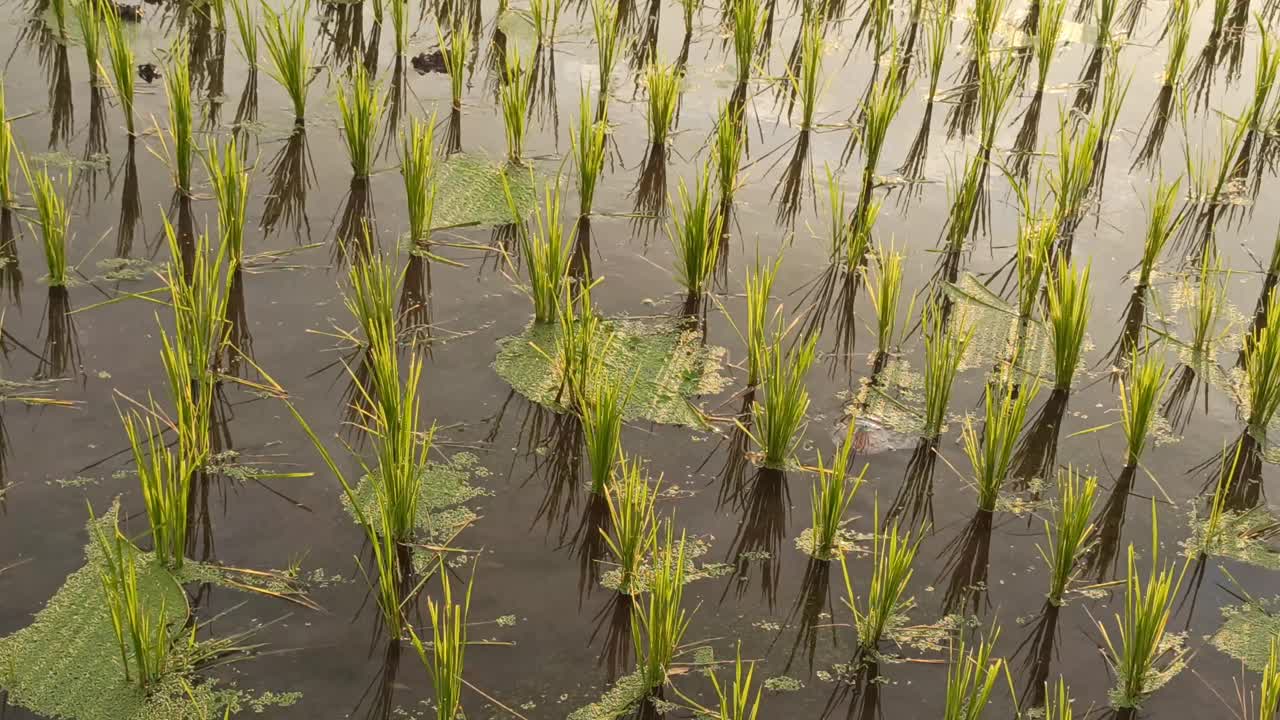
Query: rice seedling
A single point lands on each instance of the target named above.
(726, 150)
(893, 554)
(748, 23)
(588, 148)
(992, 453)
(1140, 395)
(1262, 368)
(400, 24)
(996, 81)
(581, 346)
(1142, 655)
(604, 20)
(417, 166)
(1036, 234)
(633, 529)
(689, 10)
(1104, 19)
(882, 104)
(285, 34)
(1210, 298)
(1179, 38)
(177, 89)
(360, 107)
(937, 41)
(1162, 222)
(1070, 532)
(142, 633)
(885, 292)
(165, 477)
(602, 430)
(514, 98)
(230, 182)
(89, 19)
(401, 446)
(120, 53)
(832, 492)
(246, 26)
(695, 231)
(847, 239)
(1269, 692)
(1069, 308)
(658, 626)
(664, 83)
(964, 196)
(758, 288)
(1073, 180)
(371, 302)
(779, 422)
(6, 155)
(944, 349)
(447, 655)
(548, 250)
(971, 676)
(1048, 34)
(1057, 704)
(54, 220)
(58, 8)
(806, 79)
(546, 16)
(737, 703)
(453, 53)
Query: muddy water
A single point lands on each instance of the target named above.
(565, 645)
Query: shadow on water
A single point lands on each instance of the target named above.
(859, 695)
(612, 625)
(650, 192)
(377, 702)
(1101, 562)
(1037, 650)
(1024, 145)
(239, 335)
(1036, 455)
(965, 567)
(10, 270)
(415, 303)
(914, 501)
(291, 175)
(61, 351)
(61, 110)
(764, 506)
(130, 204)
(589, 546)
(355, 233)
(813, 603)
(556, 441)
(795, 181)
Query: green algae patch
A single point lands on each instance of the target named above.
(642, 581)
(469, 191)
(998, 332)
(1240, 535)
(664, 363)
(1247, 632)
(621, 698)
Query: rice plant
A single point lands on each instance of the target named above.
(881, 106)
(850, 233)
(546, 16)
(1162, 222)
(120, 52)
(7, 145)
(602, 430)
(400, 24)
(885, 292)
(360, 107)
(779, 422)
(758, 288)
(892, 556)
(89, 20)
(689, 9)
(1140, 393)
(737, 703)
(285, 34)
(658, 626)
(1057, 704)
(230, 182)
(514, 98)
(177, 89)
(604, 20)
(992, 453)
(417, 166)
(54, 220)
(1048, 34)
(371, 302)
(695, 230)
(996, 81)
(727, 148)
(1179, 32)
(1069, 533)
(58, 8)
(548, 252)
(453, 53)
(1269, 692)
(141, 632)
(971, 676)
(1262, 368)
(937, 41)
(633, 529)
(832, 493)
(1142, 654)
(1069, 309)
(588, 148)
(1210, 298)
(246, 26)
(944, 350)
(664, 83)
(1036, 234)
(581, 345)
(1073, 180)
(806, 79)
(165, 477)
(400, 444)
(447, 654)
(748, 24)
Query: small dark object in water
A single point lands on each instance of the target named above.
(148, 72)
(128, 13)
(432, 62)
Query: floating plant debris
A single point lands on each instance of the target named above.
(1247, 632)
(998, 333)
(469, 191)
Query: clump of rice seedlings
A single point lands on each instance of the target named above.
(165, 477)
(658, 626)
(1057, 704)
(726, 149)
(971, 676)
(633, 529)
(1070, 532)
(882, 105)
(120, 53)
(588, 147)
(1208, 304)
(832, 493)
(230, 182)
(1077, 155)
(885, 291)
(602, 430)
(1140, 395)
(177, 88)
(89, 18)
(996, 81)
(1069, 308)
(360, 107)
(893, 554)
(748, 23)
(142, 633)
(581, 345)
(1142, 655)
(1036, 234)
(548, 252)
(400, 24)
(663, 82)
(514, 98)
(1262, 368)
(1104, 18)
(54, 220)
(371, 302)
(779, 422)
(695, 233)
(1269, 692)
(937, 40)
(6, 155)
(759, 286)
(445, 659)
(992, 453)
(850, 233)
(604, 19)
(285, 34)
(806, 80)
(546, 16)
(247, 29)
(1048, 35)
(737, 703)
(417, 165)
(1179, 38)
(944, 349)
(453, 53)
(1162, 222)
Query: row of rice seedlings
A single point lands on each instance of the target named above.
(54, 219)
(446, 657)
(453, 53)
(664, 83)
(1069, 534)
(1140, 654)
(1162, 222)
(971, 676)
(737, 703)
(779, 421)
(142, 633)
(727, 146)
(177, 89)
(1262, 368)
(695, 229)
(885, 292)
(360, 108)
(417, 167)
(120, 53)
(832, 493)
(604, 19)
(1069, 310)
(944, 350)
(89, 19)
(1210, 298)
(658, 626)
(1049, 27)
(602, 430)
(247, 28)
(165, 477)
(892, 556)
(758, 288)
(514, 98)
(992, 453)
(7, 146)
(285, 34)
(371, 302)
(806, 79)
(1265, 72)
(747, 20)
(986, 15)
(1140, 393)
(588, 148)
(546, 17)
(230, 182)
(633, 528)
